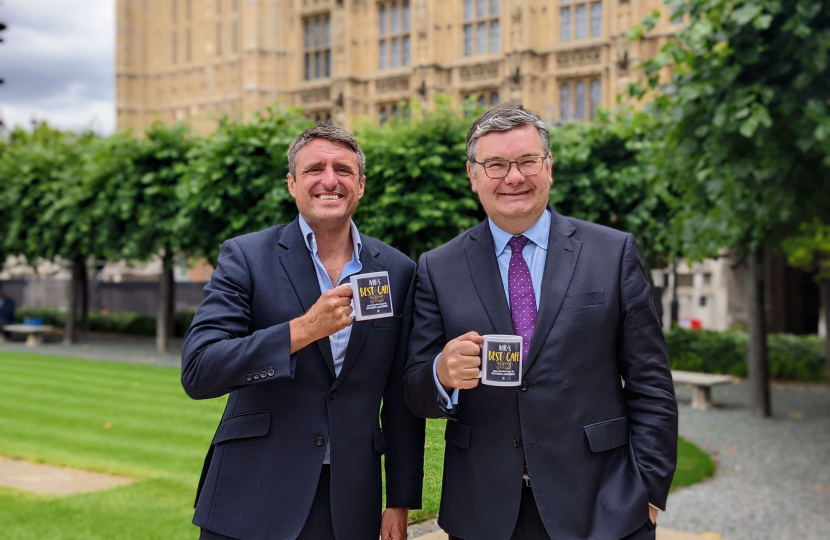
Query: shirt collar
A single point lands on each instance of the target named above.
(538, 233)
(311, 242)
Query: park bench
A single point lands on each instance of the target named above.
(701, 384)
(34, 332)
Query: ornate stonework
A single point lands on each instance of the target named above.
(392, 84)
(479, 72)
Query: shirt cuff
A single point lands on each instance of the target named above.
(656, 508)
(445, 401)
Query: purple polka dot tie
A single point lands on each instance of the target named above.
(522, 297)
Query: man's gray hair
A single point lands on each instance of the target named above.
(505, 117)
(330, 133)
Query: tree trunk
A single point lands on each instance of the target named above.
(825, 303)
(164, 320)
(675, 305)
(758, 361)
(84, 291)
(70, 331)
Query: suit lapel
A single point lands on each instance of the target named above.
(360, 329)
(484, 271)
(560, 263)
(299, 267)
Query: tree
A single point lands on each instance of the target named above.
(745, 122)
(418, 194)
(600, 175)
(235, 181)
(137, 208)
(45, 205)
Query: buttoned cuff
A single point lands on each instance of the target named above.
(656, 508)
(445, 401)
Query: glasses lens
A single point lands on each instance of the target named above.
(497, 168)
(530, 166)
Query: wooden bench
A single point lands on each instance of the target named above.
(34, 333)
(701, 384)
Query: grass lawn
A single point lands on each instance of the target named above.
(54, 410)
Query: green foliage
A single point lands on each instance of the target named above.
(418, 194)
(600, 176)
(43, 197)
(235, 181)
(744, 120)
(136, 182)
(798, 358)
(810, 248)
(138, 324)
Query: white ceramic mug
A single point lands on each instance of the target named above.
(501, 360)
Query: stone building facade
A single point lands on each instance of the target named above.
(191, 60)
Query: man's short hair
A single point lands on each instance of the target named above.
(505, 117)
(330, 133)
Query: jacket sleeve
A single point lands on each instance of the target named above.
(403, 431)
(220, 353)
(649, 391)
(426, 343)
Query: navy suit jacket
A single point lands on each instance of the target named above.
(261, 472)
(597, 452)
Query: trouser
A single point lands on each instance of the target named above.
(529, 524)
(318, 524)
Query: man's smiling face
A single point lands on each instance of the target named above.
(327, 184)
(516, 201)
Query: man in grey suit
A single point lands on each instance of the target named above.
(297, 454)
(586, 447)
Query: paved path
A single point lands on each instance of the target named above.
(97, 346)
(773, 478)
(42, 478)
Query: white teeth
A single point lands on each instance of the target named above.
(328, 197)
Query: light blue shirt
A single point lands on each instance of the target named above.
(339, 340)
(534, 254)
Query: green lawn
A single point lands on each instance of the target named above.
(55, 409)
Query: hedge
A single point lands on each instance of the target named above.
(796, 358)
(140, 324)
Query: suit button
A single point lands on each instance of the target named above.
(263, 374)
(516, 443)
(249, 377)
(256, 376)
(333, 394)
(319, 441)
(270, 372)
(524, 386)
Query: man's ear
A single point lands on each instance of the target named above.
(361, 187)
(471, 173)
(292, 185)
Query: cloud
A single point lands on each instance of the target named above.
(58, 62)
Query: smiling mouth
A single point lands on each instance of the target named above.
(327, 197)
(518, 194)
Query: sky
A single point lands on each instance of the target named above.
(58, 62)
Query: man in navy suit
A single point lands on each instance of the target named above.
(298, 452)
(585, 447)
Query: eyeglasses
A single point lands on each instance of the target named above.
(499, 168)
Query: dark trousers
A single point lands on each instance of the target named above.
(317, 526)
(529, 524)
